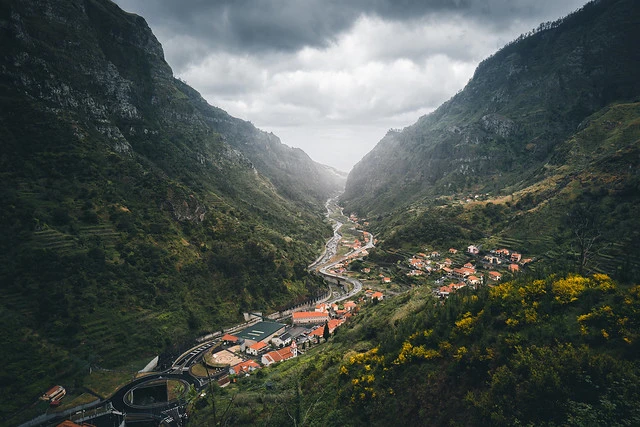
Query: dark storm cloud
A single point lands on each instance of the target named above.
(249, 25)
(287, 25)
(331, 76)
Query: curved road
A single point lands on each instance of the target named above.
(323, 264)
(180, 368)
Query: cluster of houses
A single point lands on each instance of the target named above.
(266, 343)
(358, 252)
(467, 274)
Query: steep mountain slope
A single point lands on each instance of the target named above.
(540, 147)
(520, 104)
(134, 214)
(587, 193)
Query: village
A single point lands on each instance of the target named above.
(479, 269)
(267, 342)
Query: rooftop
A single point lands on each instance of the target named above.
(260, 331)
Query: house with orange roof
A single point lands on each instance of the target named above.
(349, 305)
(229, 339)
(473, 280)
(317, 332)
(257, 348)
(503, 252)
(469, 265)
(386, 280)
(515, 257)
(453, 251)
(416, 262)
(444, 291)
(514, 268)
(377, 295)
(55, 393)
(463, 272)
(244, 367)
(280, 355)
(494, 275)
(322, 308)
(69, 423)
(309, 317)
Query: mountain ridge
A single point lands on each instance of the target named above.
(491, 126)
(135, 218)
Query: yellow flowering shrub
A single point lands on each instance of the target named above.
(410, 352)
(569, 289)
(467, 322)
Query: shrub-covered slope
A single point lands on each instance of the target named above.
(560, 350)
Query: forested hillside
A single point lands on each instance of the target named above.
(543, 138)
(134, 214)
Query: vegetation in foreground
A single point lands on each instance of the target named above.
(558, 350)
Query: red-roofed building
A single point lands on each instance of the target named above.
(280, 355)
(69, 423)
(322, 308)
(229, 339)
(463, 272)
(494, 275)
(444, 291)
(377, 295)
(349, 305)
(54, 393)
(244, 367)
(309, 317)
(503, 252)
(317, 332)
(257, 348)
(514, 268)
(515, 257)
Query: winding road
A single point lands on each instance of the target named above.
(323, 264)
(172, 412)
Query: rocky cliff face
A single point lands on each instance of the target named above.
(520, 104)
(105, 70)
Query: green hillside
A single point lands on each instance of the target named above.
(560, 350)
(544, 137)
(505, 124)
(590, 186)
(133, 217)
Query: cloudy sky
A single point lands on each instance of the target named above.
(332, 76)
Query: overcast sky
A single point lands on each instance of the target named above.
(332, 76)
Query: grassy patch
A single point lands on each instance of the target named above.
(105, 383)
